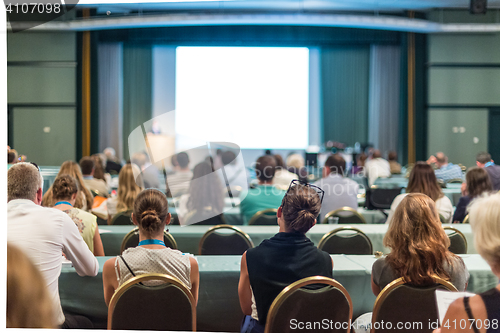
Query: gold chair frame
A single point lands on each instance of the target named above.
(466, 219)
(224, 226)
(326, 236)
(284, 294)
(147, 277)
(460, 233)
(343, 209)
(261, 212)
(136, 230)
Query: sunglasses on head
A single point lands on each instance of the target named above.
(296, 182)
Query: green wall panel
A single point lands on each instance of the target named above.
(474, 48)
(41, 46)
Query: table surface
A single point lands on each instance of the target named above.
(218, 305)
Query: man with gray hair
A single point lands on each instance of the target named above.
(445, 171)
(113, 165)
(44, 234)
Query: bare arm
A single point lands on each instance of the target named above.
(244, 290)
(98, 248)
(195, 279)
(375, 288)
(109, 281)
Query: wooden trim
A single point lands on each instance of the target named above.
(86, 89)
(411, 95)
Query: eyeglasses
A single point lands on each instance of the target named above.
(36, 166)
(296, 182)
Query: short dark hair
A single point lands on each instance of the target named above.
(483, 157)
(335, 163)
(280, 164)
(227, 157)
(87, 165)
(64, 187)
(11, 157)
(478, 181)
(265, 167)
(377, 153)
(392, 156)
(183, 159)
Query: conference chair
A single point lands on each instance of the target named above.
(346, 240)
(458, 242)
(466, 219)
(225, 239)
(402, 302)
(297, 302)
(131, 239)
(442, 219)
(139, 305)
(264, 217)
(381, 198)
(455, 181)
(122, 218)
(344, 215)
(203, 216)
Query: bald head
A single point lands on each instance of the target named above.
(441, 158)
(24, 181)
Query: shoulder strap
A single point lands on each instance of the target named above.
(131, 272)
(469, 314)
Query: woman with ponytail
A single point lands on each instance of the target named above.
(151, 215)
(285, 258)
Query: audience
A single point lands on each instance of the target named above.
(93, 184)
(44, 234)
(178, 183)
(419, 248)
(360, 164)
(205, 197)
(100, 168)
(339, 190)
(149, 172)
(423, 180)
(483, 160)
(151, 256)
(64, 191)
(282, 177)
(296, 165)
(28, 300)
(264, 195)
(84, 198)
(285, 258)
(113, 165)
(479, 310)
(377, 167)
(128, 189)
(236, 175)
(393, 162)
(445, 171)
(477, 182)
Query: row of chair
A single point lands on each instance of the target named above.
(229, 240)
(170, 306)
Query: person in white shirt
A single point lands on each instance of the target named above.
(377, 167)
(44, 234)
(178, 183)
(282, 177)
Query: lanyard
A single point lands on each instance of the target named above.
(489, 164)
(63, 203)
(151, 242)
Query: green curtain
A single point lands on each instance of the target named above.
(137, 89)
(345, 80)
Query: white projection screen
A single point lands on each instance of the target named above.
(255, 97)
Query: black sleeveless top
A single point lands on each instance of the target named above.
(491, 299)
(280, 261)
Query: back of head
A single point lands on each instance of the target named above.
(128, 188)
(423, 180)
(139, 159)
(280, 164)
(28, 302)
(73, 169)
(64, 187)
(98, 167)
(483, 157)
(441, 158)
(11, 157)
(392, 156)
(300, 208)
(478, 182)
(87, 165)
(151, 211)
(377, 154)
(361, 159)
(419, 245)
(336, 164)
(109, 152)
(228, 157)
(295, 161)
(201, 169)
(484, 216)
(23, 181)
(183, 160)
(265, 167)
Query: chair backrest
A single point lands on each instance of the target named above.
(131, 239)
(413, 306)
(458, 242)
(466, 219)
(330, 301)
(224, 240)
(203, 217)
(455, 181)
(381, 198)
(442, 219)
(122, 218)
(346, 240)
(167, 307)
(264, 217)
(346, 215)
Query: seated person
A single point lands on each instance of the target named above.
(377, 167)
(64, 191)
(483, 309)
(477, 181)
(178, 182)
(285, 258)
(360, 164)
(265, 195)
(149, 172)
(236, 174)
(445, 171)
(151, 256)
(483, 160)
(87, 166)
(113, 165)
(296, 165)
(419, 248)
(128, 189)
(282, 177)
(393, 162)
(423, 180)
(339, 191)
(100, 168)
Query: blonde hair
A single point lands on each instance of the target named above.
(295, 161)
(128, 189)
(418, 242)
(484, 217)
(23, 181)
(28, 302)
(83, 198)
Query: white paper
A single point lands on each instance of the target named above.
(444, 299)
(66, 262)
(103, 231)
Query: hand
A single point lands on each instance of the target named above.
(432, 160)
(437, 330)
(64, 256)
